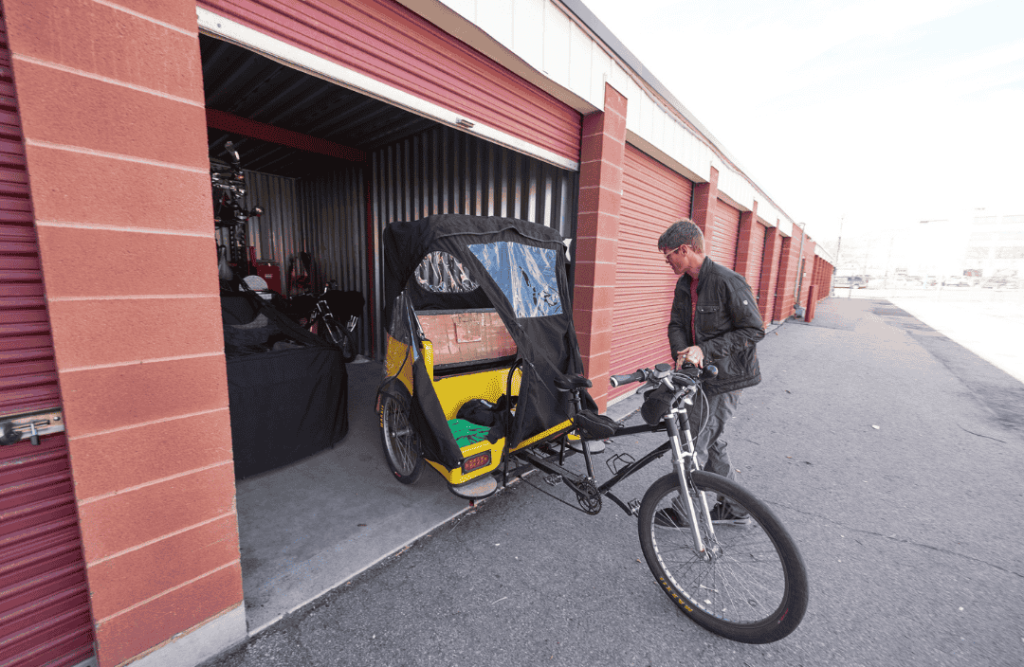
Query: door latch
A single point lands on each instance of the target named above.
(14, 428)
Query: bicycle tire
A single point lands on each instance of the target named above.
(398, 436)
(752, 589)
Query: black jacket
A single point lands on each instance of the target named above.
(728, 326)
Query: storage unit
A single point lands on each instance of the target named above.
(44, 597)
(757, 233)
(725, 235)
(653, 197)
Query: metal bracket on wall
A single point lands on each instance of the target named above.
(14, 428)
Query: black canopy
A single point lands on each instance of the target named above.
(516, 267)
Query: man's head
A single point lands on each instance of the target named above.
(683, 246)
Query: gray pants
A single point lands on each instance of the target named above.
(711, 448)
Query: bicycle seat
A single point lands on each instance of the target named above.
(572, 382)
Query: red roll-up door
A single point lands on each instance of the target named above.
(726, 235)
(45, 617)
(757, 245)
(653, 197)
(393, 45)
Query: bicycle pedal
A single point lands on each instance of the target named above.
(634, 507)
(553, 479)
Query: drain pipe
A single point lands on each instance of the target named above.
(799, 310)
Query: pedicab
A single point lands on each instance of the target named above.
(479, 330)
(483, 368)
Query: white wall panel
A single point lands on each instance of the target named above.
(557, 35)
(580, 60)
(495, 18)
(527, 39)
(600, 72)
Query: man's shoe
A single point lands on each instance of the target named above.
(722, 515)
(669, 517)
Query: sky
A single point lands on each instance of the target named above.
(865, 116)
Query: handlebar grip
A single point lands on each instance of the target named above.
(617, 380)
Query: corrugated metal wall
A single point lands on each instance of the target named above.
(653, 197)
(447, 171)
(726, 235)
(333, 217)
(439, 171)
(324, 216)
(45, 615)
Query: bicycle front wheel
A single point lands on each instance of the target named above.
(750, 585)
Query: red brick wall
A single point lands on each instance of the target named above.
(769, 274)
(597, 226)
(115, 134)
(808, 269)
(785, 288)
(750, 248)
(705, 198)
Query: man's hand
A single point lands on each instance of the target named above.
(693, 355)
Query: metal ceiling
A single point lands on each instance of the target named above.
(246, 84)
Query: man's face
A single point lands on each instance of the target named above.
(676, 258)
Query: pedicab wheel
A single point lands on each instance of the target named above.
(398, 436)
(750, 585)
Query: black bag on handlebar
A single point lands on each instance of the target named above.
(657, 403)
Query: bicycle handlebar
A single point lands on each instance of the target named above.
(662, 371)
(617, 380)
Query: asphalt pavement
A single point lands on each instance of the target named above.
(893, 455)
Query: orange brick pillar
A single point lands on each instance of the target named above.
(769, 273)
(115, 132)
(705, 198)
(785, 290)
(748, 258)
(597, 227)
(807, 267)
(812, 302)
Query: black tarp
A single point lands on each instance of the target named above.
(518, 268)
(288, 389)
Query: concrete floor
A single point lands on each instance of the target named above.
(310, 526)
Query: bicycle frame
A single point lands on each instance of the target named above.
(680, 443)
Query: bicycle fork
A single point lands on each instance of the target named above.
(684, 459)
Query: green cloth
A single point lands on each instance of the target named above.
(467, 433)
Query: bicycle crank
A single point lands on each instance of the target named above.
(587, 495)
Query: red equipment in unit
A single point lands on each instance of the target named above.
(271, 273)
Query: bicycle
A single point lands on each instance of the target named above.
(741, 578)
(323, 320)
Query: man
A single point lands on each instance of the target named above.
(714, 321)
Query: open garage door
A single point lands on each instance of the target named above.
(331, 167)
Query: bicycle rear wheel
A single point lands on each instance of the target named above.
(750, 586)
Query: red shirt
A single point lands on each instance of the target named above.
(693, 311)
